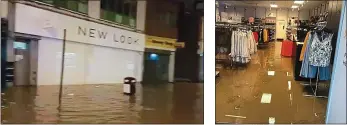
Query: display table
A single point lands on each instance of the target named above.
(287, 48)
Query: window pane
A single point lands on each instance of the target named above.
(132, 22)
(72, 5)
(47, 1)
(126, 9)
(83, 7)
(103, 4)
(60, 3)
(112, 5)
(125, 20)
(173, 19)
(119, 6)
(133, 9)
(119, 18)
(111, 16)
(167, 18)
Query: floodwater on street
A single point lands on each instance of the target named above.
(166, 103)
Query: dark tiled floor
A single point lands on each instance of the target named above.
(239, 92)
(168, 103)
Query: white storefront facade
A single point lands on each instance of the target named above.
(95, 53)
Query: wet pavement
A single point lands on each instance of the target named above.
(167, 103)
(243, 93)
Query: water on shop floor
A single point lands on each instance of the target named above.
(239, 93)
(168, 103)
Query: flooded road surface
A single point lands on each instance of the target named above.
(169, 103)
(265, 91)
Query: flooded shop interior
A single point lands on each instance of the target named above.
(275, 61)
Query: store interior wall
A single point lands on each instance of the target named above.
(259, 12)
(334, 9)
(304, 14)
(262, 12)
(336, 111)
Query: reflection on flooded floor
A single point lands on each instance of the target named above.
(261, 93)
(169, 103)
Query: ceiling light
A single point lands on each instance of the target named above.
(294, 6)
(273, 5)
(299, 2)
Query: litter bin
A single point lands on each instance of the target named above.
(129, 86)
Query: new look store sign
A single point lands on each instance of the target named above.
(36, 21)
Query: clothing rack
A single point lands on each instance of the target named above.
(229, 29)
(223, 36)
(320, 27)
(243, 45)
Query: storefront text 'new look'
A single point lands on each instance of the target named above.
(99, 34)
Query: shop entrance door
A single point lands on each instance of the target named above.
(156, 68)
(22, 63)
(25, 66)
(280, 29)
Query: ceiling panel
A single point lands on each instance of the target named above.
(281, 4)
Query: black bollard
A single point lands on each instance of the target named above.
(129, 86)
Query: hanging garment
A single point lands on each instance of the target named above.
(323, 72)
(255, 34)
(305, 66)
(266, 35)
(242, 46)
(310, 71)
(304, 46)
(261, 38)
(320, 50)
(252, 42)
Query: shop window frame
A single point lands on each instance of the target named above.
(72, 5)
(115, 11)
(168, 18)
